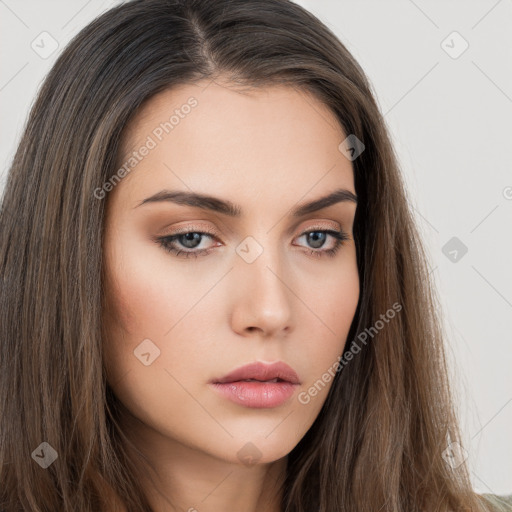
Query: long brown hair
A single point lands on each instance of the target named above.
(379, 441)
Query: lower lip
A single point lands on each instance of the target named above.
(257, 395)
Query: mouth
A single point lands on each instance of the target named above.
(258, 385)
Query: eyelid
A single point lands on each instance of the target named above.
(193, 228)
(322, 225)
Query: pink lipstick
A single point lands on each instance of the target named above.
(258, 385)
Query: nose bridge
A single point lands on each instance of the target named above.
(261, 262)
(265, 296)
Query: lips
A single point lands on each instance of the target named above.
(258, 385)
(261, 372)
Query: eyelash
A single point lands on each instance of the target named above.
(166, 241)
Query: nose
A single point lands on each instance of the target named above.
(261, 296)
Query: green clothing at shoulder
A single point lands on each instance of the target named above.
(499, 503)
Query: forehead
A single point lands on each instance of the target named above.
(215, 137)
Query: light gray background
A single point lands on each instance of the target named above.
(450, 118)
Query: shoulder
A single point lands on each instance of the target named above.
(499, 503)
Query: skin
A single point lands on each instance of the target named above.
(267, 150)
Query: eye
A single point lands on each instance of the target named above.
(186, 243)
(190, 240)
(318, 237)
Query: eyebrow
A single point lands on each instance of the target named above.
(230, 209)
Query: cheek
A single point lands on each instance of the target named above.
(144, 305)
(145, 293)
(135, 299)
(333, 295)
(337, 302)
(333, 304)
(151, 297)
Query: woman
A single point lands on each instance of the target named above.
(214, 296)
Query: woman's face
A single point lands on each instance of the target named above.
(244, 286)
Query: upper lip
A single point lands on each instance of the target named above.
(261, 371)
